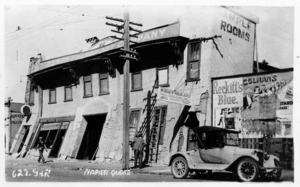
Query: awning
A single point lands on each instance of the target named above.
(163, 32)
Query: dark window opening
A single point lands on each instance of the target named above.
(68, 93)
(103, 83)
(137, 83)
(31, 95)
(193, 64)
(87, 86)
(52, 96)
(90, 141)
(53, 135)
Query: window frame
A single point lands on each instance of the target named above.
(132, 111)
(107, 77)
(71, 99)
(52, 102)
(189, 61)
(132, 81)
(84, 86)
(157, 76)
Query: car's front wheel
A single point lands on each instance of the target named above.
(273, 174)
(179, 167)
(247, 170)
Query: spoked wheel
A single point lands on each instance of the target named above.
(179, 168)
(273, 174)
(247, 170)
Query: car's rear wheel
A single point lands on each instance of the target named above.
(247, 170)
(179, 167)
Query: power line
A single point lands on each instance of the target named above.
(52, 20)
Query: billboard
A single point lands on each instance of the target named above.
(255, 104)
(227, 99)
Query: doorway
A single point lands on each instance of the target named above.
(91, 137)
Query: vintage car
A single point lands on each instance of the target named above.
(217, 149)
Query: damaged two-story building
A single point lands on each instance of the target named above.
(77, 100)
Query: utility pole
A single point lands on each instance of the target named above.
(127, 56)
(7, 124)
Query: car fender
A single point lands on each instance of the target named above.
(184, 155)
(270, 162)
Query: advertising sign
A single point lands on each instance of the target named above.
(227, 99)
(174, 96)
(262, 95)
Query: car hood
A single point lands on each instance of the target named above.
(246, 152)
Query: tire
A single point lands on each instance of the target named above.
(247, 170)
(273, 175)
(179, 168)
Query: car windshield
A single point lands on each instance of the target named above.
(231, 139)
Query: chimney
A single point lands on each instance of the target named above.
(32, 59)
(40, 56)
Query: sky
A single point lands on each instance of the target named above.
(57, 30)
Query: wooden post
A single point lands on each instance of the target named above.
(126, 96)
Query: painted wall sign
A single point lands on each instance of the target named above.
(150, 35)
(16, 118)
(174, 96)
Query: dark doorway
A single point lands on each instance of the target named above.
(90, 140)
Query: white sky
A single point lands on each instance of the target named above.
(57, 30)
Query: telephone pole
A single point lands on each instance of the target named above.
(127, 55)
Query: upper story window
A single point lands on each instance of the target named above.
(162, 76)
(87, 86)
(52, 96)
(193, 62)
(103, 83)
(136, 81)
(68, 93)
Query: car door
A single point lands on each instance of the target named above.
(211, 155)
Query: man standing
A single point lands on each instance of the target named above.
(138, 147)
(41, 146)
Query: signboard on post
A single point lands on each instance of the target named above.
(174, 96)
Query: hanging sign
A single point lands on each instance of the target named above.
(174, 96)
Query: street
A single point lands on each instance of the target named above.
(29, 170)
